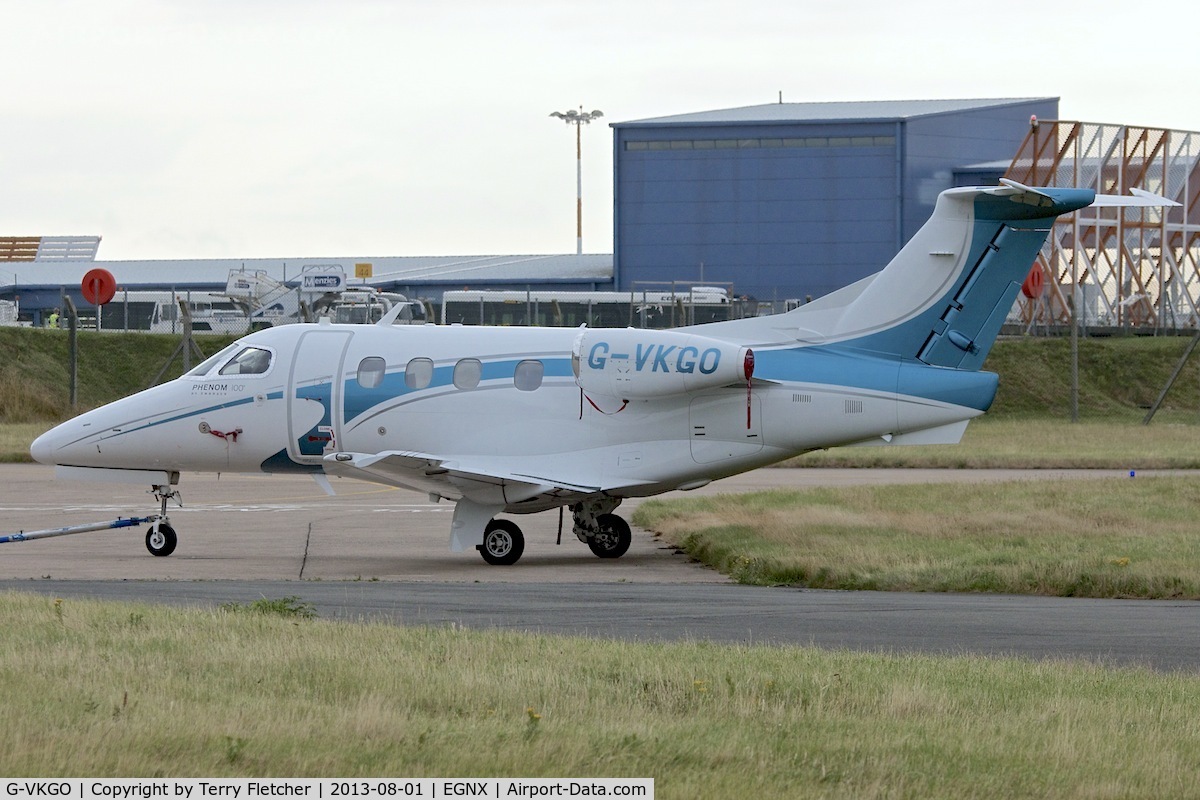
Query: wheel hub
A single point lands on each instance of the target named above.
(499, 543)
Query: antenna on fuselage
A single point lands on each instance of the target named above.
(389, 318)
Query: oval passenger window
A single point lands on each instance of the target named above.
(528, 375)
(371, 371)
(467, 373)
(419, 373)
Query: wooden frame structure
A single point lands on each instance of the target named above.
(1127, 268)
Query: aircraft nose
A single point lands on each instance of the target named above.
(42, 449)
(45, 447)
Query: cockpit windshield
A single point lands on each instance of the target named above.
(203, 367)
(251, 361)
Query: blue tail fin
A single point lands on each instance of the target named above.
(943, 299)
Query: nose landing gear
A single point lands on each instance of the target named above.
(161, 538)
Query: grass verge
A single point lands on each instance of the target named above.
(105, 689)
(1084, 538)
(1035, 443)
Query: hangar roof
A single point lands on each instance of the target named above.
(386, 271)
(866, 111)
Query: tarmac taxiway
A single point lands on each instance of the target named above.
(373, 552)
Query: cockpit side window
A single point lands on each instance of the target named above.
(251, 361)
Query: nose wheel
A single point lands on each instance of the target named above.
(161, 539)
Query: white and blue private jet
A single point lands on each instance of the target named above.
(522, 420)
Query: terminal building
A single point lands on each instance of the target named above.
(777, 202)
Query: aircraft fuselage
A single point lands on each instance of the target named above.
(456, 392)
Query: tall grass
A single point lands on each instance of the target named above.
(1118, 376)
(35, 385)
(15, 440)
(102, 689)
(1093, 538)
(1027, 427)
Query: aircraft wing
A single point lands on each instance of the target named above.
(453, 478)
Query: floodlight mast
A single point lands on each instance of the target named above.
(578, 119)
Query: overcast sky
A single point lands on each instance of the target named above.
(291, 128)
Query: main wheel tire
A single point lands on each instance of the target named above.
(503, 543)
(161, 540)
(614, 537)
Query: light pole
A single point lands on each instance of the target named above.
(578, 119)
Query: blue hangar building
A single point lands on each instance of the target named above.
(788, 200)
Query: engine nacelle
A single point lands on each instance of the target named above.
(630, 363)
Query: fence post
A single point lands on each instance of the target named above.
(72, 350)
(1074, 357)
(1187, 353)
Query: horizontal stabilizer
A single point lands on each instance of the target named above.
(1137, 198)
(1140, 199)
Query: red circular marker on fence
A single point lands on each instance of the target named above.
(99, 286)
(1035, 283)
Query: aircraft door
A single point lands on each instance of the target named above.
(315, 395)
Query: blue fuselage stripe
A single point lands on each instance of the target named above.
(834, 365)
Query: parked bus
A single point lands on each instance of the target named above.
(639, 308)
(159, 312)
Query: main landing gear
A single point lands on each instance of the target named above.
(605, 534)
(503, 543)
(612, 537)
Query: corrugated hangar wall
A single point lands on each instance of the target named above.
(796, 199)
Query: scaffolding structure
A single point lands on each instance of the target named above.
(1122, 268)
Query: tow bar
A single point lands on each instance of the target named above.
(119, 522)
